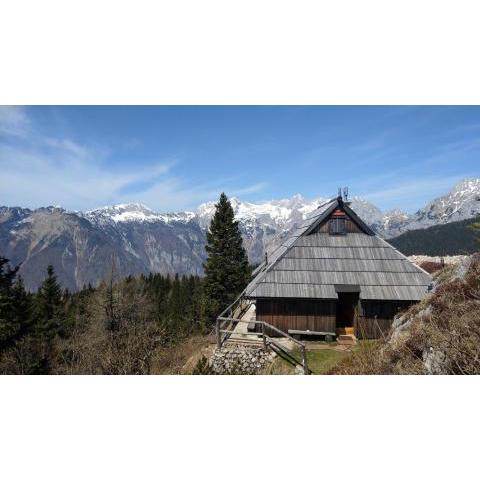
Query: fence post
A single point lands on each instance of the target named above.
(304, 361)
(264, 337)
(219, 338)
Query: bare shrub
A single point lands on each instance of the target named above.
(99, 346)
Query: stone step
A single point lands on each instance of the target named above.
(346, 340)
(244, 341)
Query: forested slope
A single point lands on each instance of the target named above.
(450, 239)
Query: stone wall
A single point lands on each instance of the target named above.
(240, 360)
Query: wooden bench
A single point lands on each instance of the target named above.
(329, 336)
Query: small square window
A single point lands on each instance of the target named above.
(338, 226)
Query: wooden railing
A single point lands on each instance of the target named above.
(231, 317)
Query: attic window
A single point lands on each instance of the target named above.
(338, 226)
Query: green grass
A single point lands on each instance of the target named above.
(321, 361)
(318, 361)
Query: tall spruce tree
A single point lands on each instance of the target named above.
(22, 308)
(227, 269)
(50, 308)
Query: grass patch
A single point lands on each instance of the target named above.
(319, 361)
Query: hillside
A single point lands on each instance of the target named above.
(448, 239)
(439, 335)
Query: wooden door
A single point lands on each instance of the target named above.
(346, 305)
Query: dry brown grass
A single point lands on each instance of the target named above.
(181, 358)
(441, 334)
(431, 267)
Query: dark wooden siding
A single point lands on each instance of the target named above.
(374, 321)
(351, 226)
(377, 317)
(371, 328)
(297, 314)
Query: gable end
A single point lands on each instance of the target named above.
(340, 221)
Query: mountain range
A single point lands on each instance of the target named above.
(133, 239)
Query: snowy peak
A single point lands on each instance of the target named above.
(461, 203)
(276, 212)
(131, 212)
(134, 212)
(367, 211)
(395, 216)
(467, 186)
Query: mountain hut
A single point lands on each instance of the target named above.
(334, 274)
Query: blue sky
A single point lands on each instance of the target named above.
(173, 158)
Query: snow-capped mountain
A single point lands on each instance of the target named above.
(81, 245)
(280, 213)
(265, 223)
(461, 203)
(133, 212)
(283, 215)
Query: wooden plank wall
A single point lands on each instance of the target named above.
(320, 315)
(371, 328)
(298, 314)
(377, 318)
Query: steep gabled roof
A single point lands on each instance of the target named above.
(320, 265)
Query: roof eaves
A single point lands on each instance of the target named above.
(405, 257)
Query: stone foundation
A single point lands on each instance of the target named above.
(240, 360)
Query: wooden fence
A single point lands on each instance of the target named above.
(232, 316)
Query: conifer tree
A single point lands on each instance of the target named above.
(227, 269)
(8, 327)
(50, 309)
(22, 308)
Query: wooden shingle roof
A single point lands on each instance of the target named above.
(318, 265)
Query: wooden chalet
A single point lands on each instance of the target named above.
(334, 274)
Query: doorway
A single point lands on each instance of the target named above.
(345, 317)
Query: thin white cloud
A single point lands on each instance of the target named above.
(68, 146)
(40, 170)
(255, 188)
(175, 194)
(13, 121)
(410, 193)
(33, 179)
